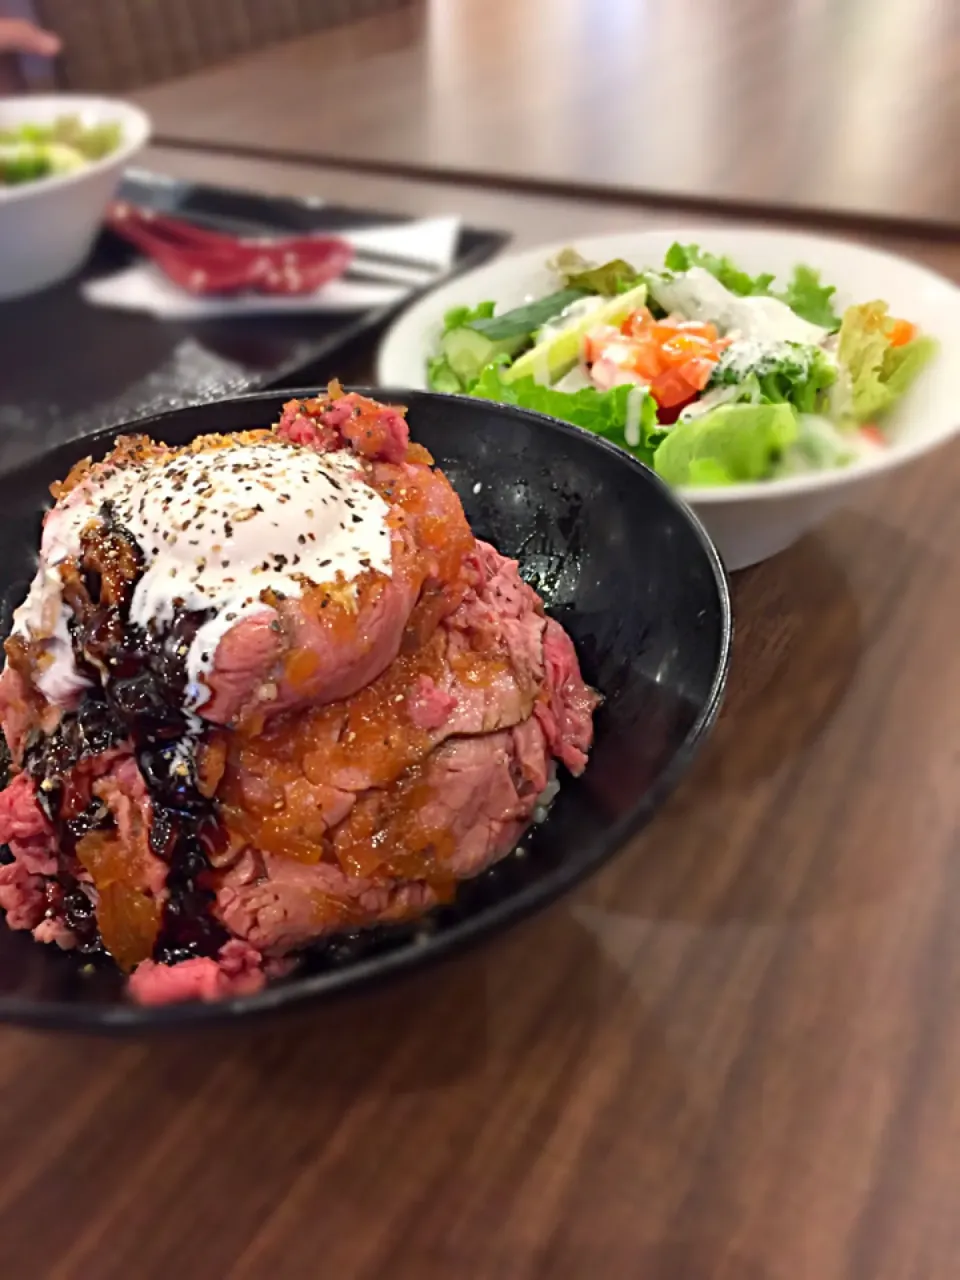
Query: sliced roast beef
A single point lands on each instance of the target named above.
(236, 971)
(366, 743)
(331, 642)
(17, 716)
(429, 705)
(22, 896)
(295, 903)
(23, 711)
(567, 715)
(449, 819)
(114, 864)
(23, 823)
(372, 430)
(291, 656)
(125, 794)
(480, 672)
(464, 811)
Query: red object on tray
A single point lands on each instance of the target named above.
(203, 262)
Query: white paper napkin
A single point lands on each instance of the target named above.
(428, 248)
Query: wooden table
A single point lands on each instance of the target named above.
(733, 1055)
(851, 107)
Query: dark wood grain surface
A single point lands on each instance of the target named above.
(851, 106)
(733, 1055)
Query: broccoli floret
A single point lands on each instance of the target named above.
(787, 372)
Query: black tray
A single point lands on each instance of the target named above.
(68, 369)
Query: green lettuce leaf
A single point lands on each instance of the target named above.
(728, 445)
(804, 293)
(681, 257)
(901, 365)
(810, 299)
(609, 279)
(708, 471)
(605, 413)
(877, 372)
(819, 446)
(457, 317)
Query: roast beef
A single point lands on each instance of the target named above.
(364, 747)
(374, 431)
(323, 648)
(237, 970)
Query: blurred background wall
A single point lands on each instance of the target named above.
(117, 45)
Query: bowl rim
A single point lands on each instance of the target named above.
(137, 134)
(294, 992)
(864, 468)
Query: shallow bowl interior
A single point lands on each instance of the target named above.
(618, 560)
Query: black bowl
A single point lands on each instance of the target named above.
(619, 561)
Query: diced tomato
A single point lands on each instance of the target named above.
(901, 333)
(686, 346)
(597, 339)
(636, 322)
(671, 388)
(870, 431)
(672, 327)
(664, 331)
(675, 357)
(698, 371)
(645, 358)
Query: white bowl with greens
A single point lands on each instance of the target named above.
(762, 373)
(61, 158)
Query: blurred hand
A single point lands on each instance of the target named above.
(19, 36)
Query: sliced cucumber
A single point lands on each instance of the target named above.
(441, 377)
(524, 321)
(467, 352)
(551, 359)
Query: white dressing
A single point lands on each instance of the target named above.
(698, 295)
(217, 527)
(631, 429)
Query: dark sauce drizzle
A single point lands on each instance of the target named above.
(138, 681)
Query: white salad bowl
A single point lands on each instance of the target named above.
(47, 226)
(748, 522)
